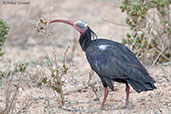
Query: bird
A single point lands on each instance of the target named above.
(112, 61)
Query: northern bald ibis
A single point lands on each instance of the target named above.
(112, 61)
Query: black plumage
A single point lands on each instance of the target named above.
(115, 63)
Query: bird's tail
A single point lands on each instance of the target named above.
(139, 87)
(141, 80)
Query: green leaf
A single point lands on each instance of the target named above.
(128, 35)
(169, 29)
(163, 12)
(1, 53)
(44, 80)
(165, 21)
(124, 41)
(138, 40)
(39, 84)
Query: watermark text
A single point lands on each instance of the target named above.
(12, 2)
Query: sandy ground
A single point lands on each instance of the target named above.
(25, 44)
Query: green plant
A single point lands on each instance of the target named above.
(57, 70)
(4, 29)
(55, 80)
(19, 68)
(150, 23)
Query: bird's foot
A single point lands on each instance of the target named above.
(101, 108)
(128, 107)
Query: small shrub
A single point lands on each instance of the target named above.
(11, 84)
(4, 29)
(150, 23)
(55, 80)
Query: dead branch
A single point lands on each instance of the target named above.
(158, 56)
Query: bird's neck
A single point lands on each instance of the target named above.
(86, 39)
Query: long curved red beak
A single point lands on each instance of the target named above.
(63, 21)
(69, 22)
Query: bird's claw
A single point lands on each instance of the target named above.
(101, 108)
(128, 107)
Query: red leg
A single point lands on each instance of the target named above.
(106, 91)
(127, 94)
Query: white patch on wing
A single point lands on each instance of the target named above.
(103, 47)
